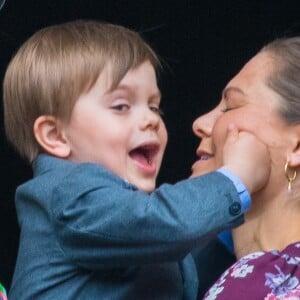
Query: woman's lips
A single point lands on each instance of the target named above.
(202, 165)
(205, 156)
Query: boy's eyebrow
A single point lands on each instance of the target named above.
(229, 89)
(156, 94)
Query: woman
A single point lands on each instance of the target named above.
(264, 99)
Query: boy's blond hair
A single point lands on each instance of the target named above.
(56, 65)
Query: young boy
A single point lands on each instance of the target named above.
(81, 103)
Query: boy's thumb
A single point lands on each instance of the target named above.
(232, 132)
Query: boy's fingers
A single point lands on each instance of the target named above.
(232, 132)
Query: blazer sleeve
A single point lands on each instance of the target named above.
(103, 221)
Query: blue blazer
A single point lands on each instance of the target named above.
(87, 234)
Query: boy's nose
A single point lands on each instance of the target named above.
(150, 119)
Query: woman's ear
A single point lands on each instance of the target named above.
(48, 133)
(293, 156)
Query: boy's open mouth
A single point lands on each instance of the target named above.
(144, 154)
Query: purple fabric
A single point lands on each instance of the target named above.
(261, 275)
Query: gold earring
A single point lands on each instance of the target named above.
(289, 177)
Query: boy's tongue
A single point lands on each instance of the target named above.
(140, 157)
(143, 160)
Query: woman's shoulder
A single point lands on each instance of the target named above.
(274, 274)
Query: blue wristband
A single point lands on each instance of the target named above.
(240, 187)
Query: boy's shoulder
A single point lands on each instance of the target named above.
(62, 171)
(55, 179)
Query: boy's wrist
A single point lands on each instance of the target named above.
(243, 193)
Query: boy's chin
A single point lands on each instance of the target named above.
(146, 187)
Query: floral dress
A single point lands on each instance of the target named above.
(270, 275)
(3, 295)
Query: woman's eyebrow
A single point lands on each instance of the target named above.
(229, 89)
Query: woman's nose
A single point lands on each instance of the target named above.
(203, 125)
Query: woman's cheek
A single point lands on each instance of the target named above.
(220, 132)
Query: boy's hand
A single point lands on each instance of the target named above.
(247, 158)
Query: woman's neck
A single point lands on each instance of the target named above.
(272, 226)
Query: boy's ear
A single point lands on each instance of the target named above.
(48, 132)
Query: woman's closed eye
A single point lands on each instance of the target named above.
(229, 105)
(226, 109)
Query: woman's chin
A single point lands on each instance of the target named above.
(198, 173)
(202, 167)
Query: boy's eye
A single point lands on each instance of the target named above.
(121, 107)
(157, 110)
